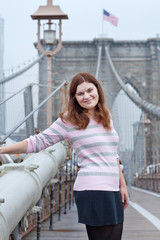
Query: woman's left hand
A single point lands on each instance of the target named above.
(124, 196)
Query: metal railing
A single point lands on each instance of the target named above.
(32, 112)
(11, 225)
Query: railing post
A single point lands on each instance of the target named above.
(60, 193)
(28, 105)
(52, 183)
(52, 208)
(66, 188)
(15, 234)
(70, 174)
(74, 170)
(40, 203)
(70, 184)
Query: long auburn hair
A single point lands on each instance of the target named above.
(75, 114)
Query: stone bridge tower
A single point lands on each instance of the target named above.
(137, 63)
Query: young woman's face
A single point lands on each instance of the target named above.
(87, 95)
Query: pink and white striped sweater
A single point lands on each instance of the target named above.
(95, 147)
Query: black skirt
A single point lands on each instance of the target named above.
(99, 208)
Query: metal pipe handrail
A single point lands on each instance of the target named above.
(31, 113)
(29, 178)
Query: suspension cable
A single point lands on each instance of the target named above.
(6, 79)
(146, 106)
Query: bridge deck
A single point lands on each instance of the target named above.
(136, 226)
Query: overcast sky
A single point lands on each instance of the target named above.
(138, 20)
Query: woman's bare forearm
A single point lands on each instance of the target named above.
(122, 182)
(123, 187)
(20, 147)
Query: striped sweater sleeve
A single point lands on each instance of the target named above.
(55, 133)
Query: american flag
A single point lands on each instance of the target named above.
(110, 18)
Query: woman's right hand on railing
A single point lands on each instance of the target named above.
(20, 147)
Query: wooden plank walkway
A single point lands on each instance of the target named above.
(67, 228)
(136, 226)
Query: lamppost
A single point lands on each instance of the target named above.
(49, 12)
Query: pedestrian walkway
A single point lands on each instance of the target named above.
(142, 217)
(66, 229)
(136, 225)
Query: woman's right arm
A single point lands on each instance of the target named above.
(55, 133)
(20, 147)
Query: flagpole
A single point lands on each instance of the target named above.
(102, 25)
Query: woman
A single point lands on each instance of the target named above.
(100, 189)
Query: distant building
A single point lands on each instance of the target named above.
(2, 91)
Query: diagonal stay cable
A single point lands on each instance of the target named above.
(40, 85)
(12, 96)
(146, 106)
